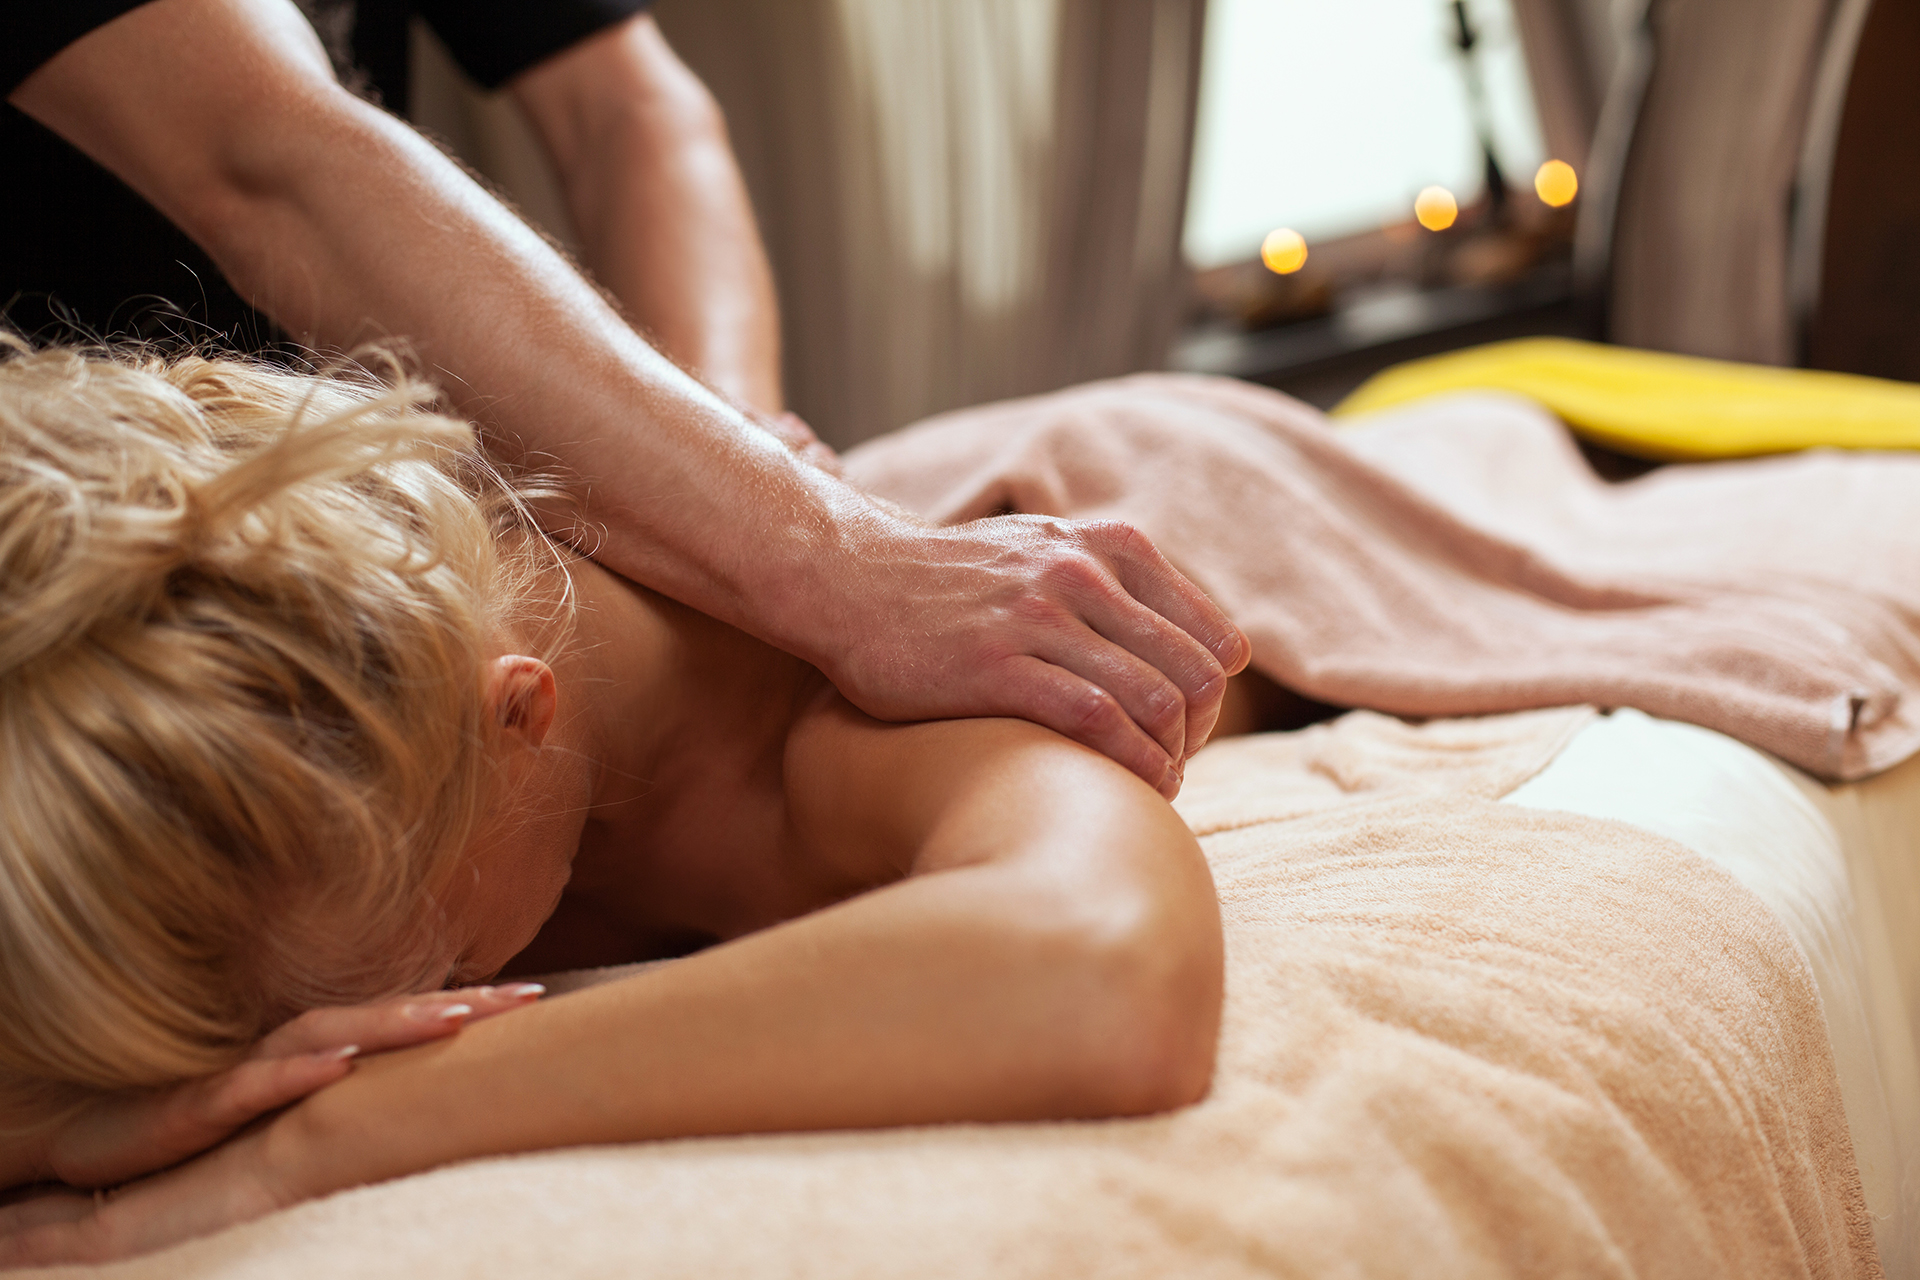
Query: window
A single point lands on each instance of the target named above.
(1329, 116)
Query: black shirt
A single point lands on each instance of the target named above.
(82, 256)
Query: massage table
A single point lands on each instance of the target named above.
(1553, 991)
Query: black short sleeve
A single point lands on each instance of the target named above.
(32, 31)
(495, 40)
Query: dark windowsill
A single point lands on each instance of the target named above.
(1322, 359)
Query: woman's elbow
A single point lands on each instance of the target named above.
(1158, 987)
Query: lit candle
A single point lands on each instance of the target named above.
(1556, 183)
(1284, 251)
(1436, 208)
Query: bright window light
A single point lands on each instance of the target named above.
(1331, 116)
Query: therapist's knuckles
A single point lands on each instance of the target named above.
(1114, 537)
(1185, 663)
(1079, 575)
(1189, 613)
(1095, 713)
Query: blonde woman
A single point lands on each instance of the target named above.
(299, 714)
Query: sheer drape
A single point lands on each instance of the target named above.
(963, 199)
(1570, 47)
(1703, 206)
(1703, 231)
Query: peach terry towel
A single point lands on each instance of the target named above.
(1461, 1040)
(1458, 557)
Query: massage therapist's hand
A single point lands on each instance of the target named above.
(1081, 626)
(127, 1136)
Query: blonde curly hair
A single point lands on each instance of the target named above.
(244, 615)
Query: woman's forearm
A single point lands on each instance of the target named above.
(979, 994)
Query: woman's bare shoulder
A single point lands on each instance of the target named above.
(880, 793)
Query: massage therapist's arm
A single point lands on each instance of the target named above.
(1055, 952)
(346, 226)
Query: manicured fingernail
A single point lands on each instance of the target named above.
(430, 1012)
(523, 990)
(338, 1055)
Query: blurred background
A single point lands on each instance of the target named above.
(966, 200)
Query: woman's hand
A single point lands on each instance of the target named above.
(222, 1188)
(125, 1137)
(129, 1135)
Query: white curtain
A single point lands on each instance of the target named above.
(963, 199)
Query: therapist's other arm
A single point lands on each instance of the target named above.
(661, 209)
(347, 226)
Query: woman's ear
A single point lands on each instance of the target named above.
(521, 697)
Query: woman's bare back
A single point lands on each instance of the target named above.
(704, 847)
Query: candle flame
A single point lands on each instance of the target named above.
(1284, 251)
(1556, 183)
(1436, 208)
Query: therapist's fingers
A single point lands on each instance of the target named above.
(1148, 701)
(1074, 707)
(1076, 625)
(1178, 629)
(1144, 662)
(1162, 670)
(1167, 680)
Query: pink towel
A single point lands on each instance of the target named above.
(1458, 557)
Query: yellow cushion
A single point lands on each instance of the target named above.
(1665, 406)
